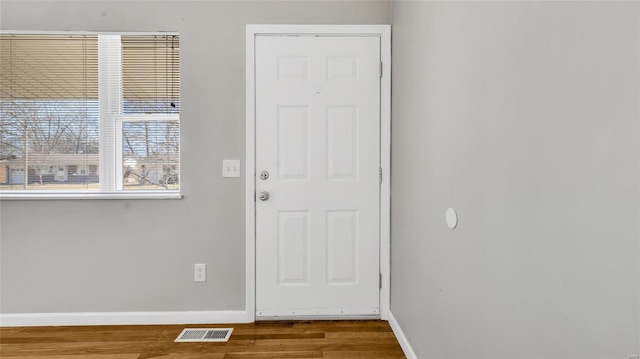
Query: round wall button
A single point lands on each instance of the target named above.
(452, 218)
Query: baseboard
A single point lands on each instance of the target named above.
(123, 318)
(402, 339)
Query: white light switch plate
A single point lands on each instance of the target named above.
(230, 168)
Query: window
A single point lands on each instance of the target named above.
(102, 110)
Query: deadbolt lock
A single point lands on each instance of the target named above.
(264, 175)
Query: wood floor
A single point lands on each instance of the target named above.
(318, 339)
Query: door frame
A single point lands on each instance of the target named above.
(384, 33)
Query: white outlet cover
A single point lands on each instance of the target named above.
(452, 218)
(199, 272)
(230, 168)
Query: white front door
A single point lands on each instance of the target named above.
(318, 138)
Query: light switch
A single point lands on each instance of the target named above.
(230, 168)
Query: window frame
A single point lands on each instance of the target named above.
(110, 167)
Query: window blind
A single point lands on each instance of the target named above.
(49, 135)
(151, 73)
(150, 86)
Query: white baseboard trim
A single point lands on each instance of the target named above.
(123, 318)
(402, 339)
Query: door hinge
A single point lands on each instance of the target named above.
(381, 70)
(380, 281)
(254, 196)
(380, 175)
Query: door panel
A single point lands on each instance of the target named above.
(318, 136)
(293, 142)
(342, 143)
(293, 247)
(342, 245)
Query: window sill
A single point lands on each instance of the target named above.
(46, 195)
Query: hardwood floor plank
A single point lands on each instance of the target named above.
(360, 335)
(27, 340)
(75, 348)
(397, 354)
(92, 356)
(272, 355)
(267, 336)
(149, 355)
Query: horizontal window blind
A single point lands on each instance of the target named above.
(48, 67)
(151, 74)
(49, 136)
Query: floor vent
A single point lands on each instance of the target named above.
(201, 335)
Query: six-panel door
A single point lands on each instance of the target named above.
(318, 137)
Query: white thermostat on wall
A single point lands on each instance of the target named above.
(452, 218)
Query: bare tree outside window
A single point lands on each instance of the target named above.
(35, 134)
(151, 154)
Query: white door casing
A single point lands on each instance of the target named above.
(315, 247)
(318, 137)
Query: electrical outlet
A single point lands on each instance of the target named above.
(199, 272)
(230, 168)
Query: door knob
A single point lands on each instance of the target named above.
(263, 196)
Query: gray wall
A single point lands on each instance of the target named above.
(126, 255)
(524, 117)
